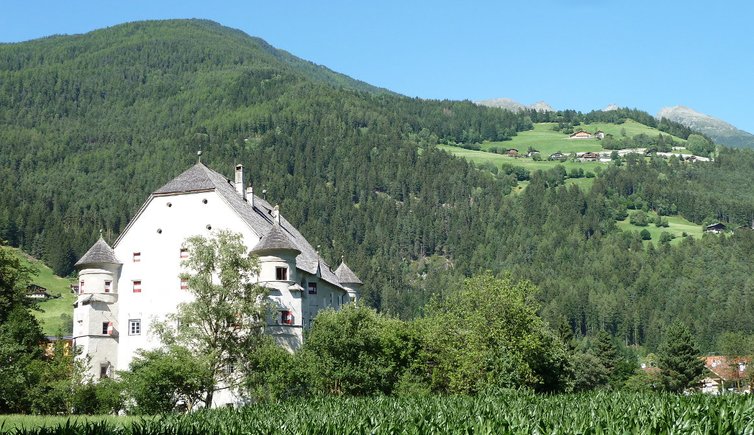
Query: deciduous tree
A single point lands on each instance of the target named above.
(222, 326)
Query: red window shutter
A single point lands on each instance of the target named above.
(286, 317)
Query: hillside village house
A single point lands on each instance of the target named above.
(34, 291)
(725, 374)
(123, 290)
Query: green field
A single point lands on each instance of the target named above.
(19, 423)
(49, 318)
(479, 157)
(505, 413)
(676, 226)
(547, 141)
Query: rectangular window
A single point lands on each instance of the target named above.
(134, 327)
(137, 286)
(102, 371)
(286, 318)
(81, 287)
(105, 326)
(184, 253)
(312, 286)
(184, 283)
(281, 274)
(137, 257)
(108, 286)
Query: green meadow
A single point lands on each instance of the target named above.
(50, 315)
(547, 141)
(677, 225)
(480, 157)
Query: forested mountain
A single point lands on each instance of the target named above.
(90, 124)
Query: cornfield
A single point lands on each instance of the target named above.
(509, 413)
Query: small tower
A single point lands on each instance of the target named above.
(277, 272)
(349, 280)
(95, 312)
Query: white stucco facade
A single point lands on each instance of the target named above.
(144, 264)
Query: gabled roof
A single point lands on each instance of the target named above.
(346, 275)
(99, 253)
(275, 240)
(200, 178)
(196, 178)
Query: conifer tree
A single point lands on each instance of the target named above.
(679, 359)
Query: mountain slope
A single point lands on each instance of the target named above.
(515, 106)
(718, 130)
(90, 124)
(213, 43)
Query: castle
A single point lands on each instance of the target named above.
(126, 288)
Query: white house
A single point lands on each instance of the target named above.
(123, 290)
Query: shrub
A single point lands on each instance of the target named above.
(639, 219)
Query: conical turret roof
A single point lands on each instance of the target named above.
(99, 253)
(275, 240)
(345, 275)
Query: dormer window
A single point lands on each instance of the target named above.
(281, 273)
(108, 286)
(137, 257)
(184, 253)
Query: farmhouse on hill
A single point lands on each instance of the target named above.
(715, 228)
(34, 291)
(125, 288)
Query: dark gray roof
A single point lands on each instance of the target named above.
(259, 218)
(276, 240)
(345, 275)
(195, 178)
(99, 253)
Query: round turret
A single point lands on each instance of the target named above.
(98, 269)
(277, 255)
(349, 281)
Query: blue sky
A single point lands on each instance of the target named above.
(574, 54)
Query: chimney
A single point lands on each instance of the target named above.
(239, 181)
(276, 213)
(250, 195)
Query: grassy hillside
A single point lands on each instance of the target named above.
(677, 226)
(59, 288)
(481, 157)
(547, 141)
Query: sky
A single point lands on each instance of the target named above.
(573, 54)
